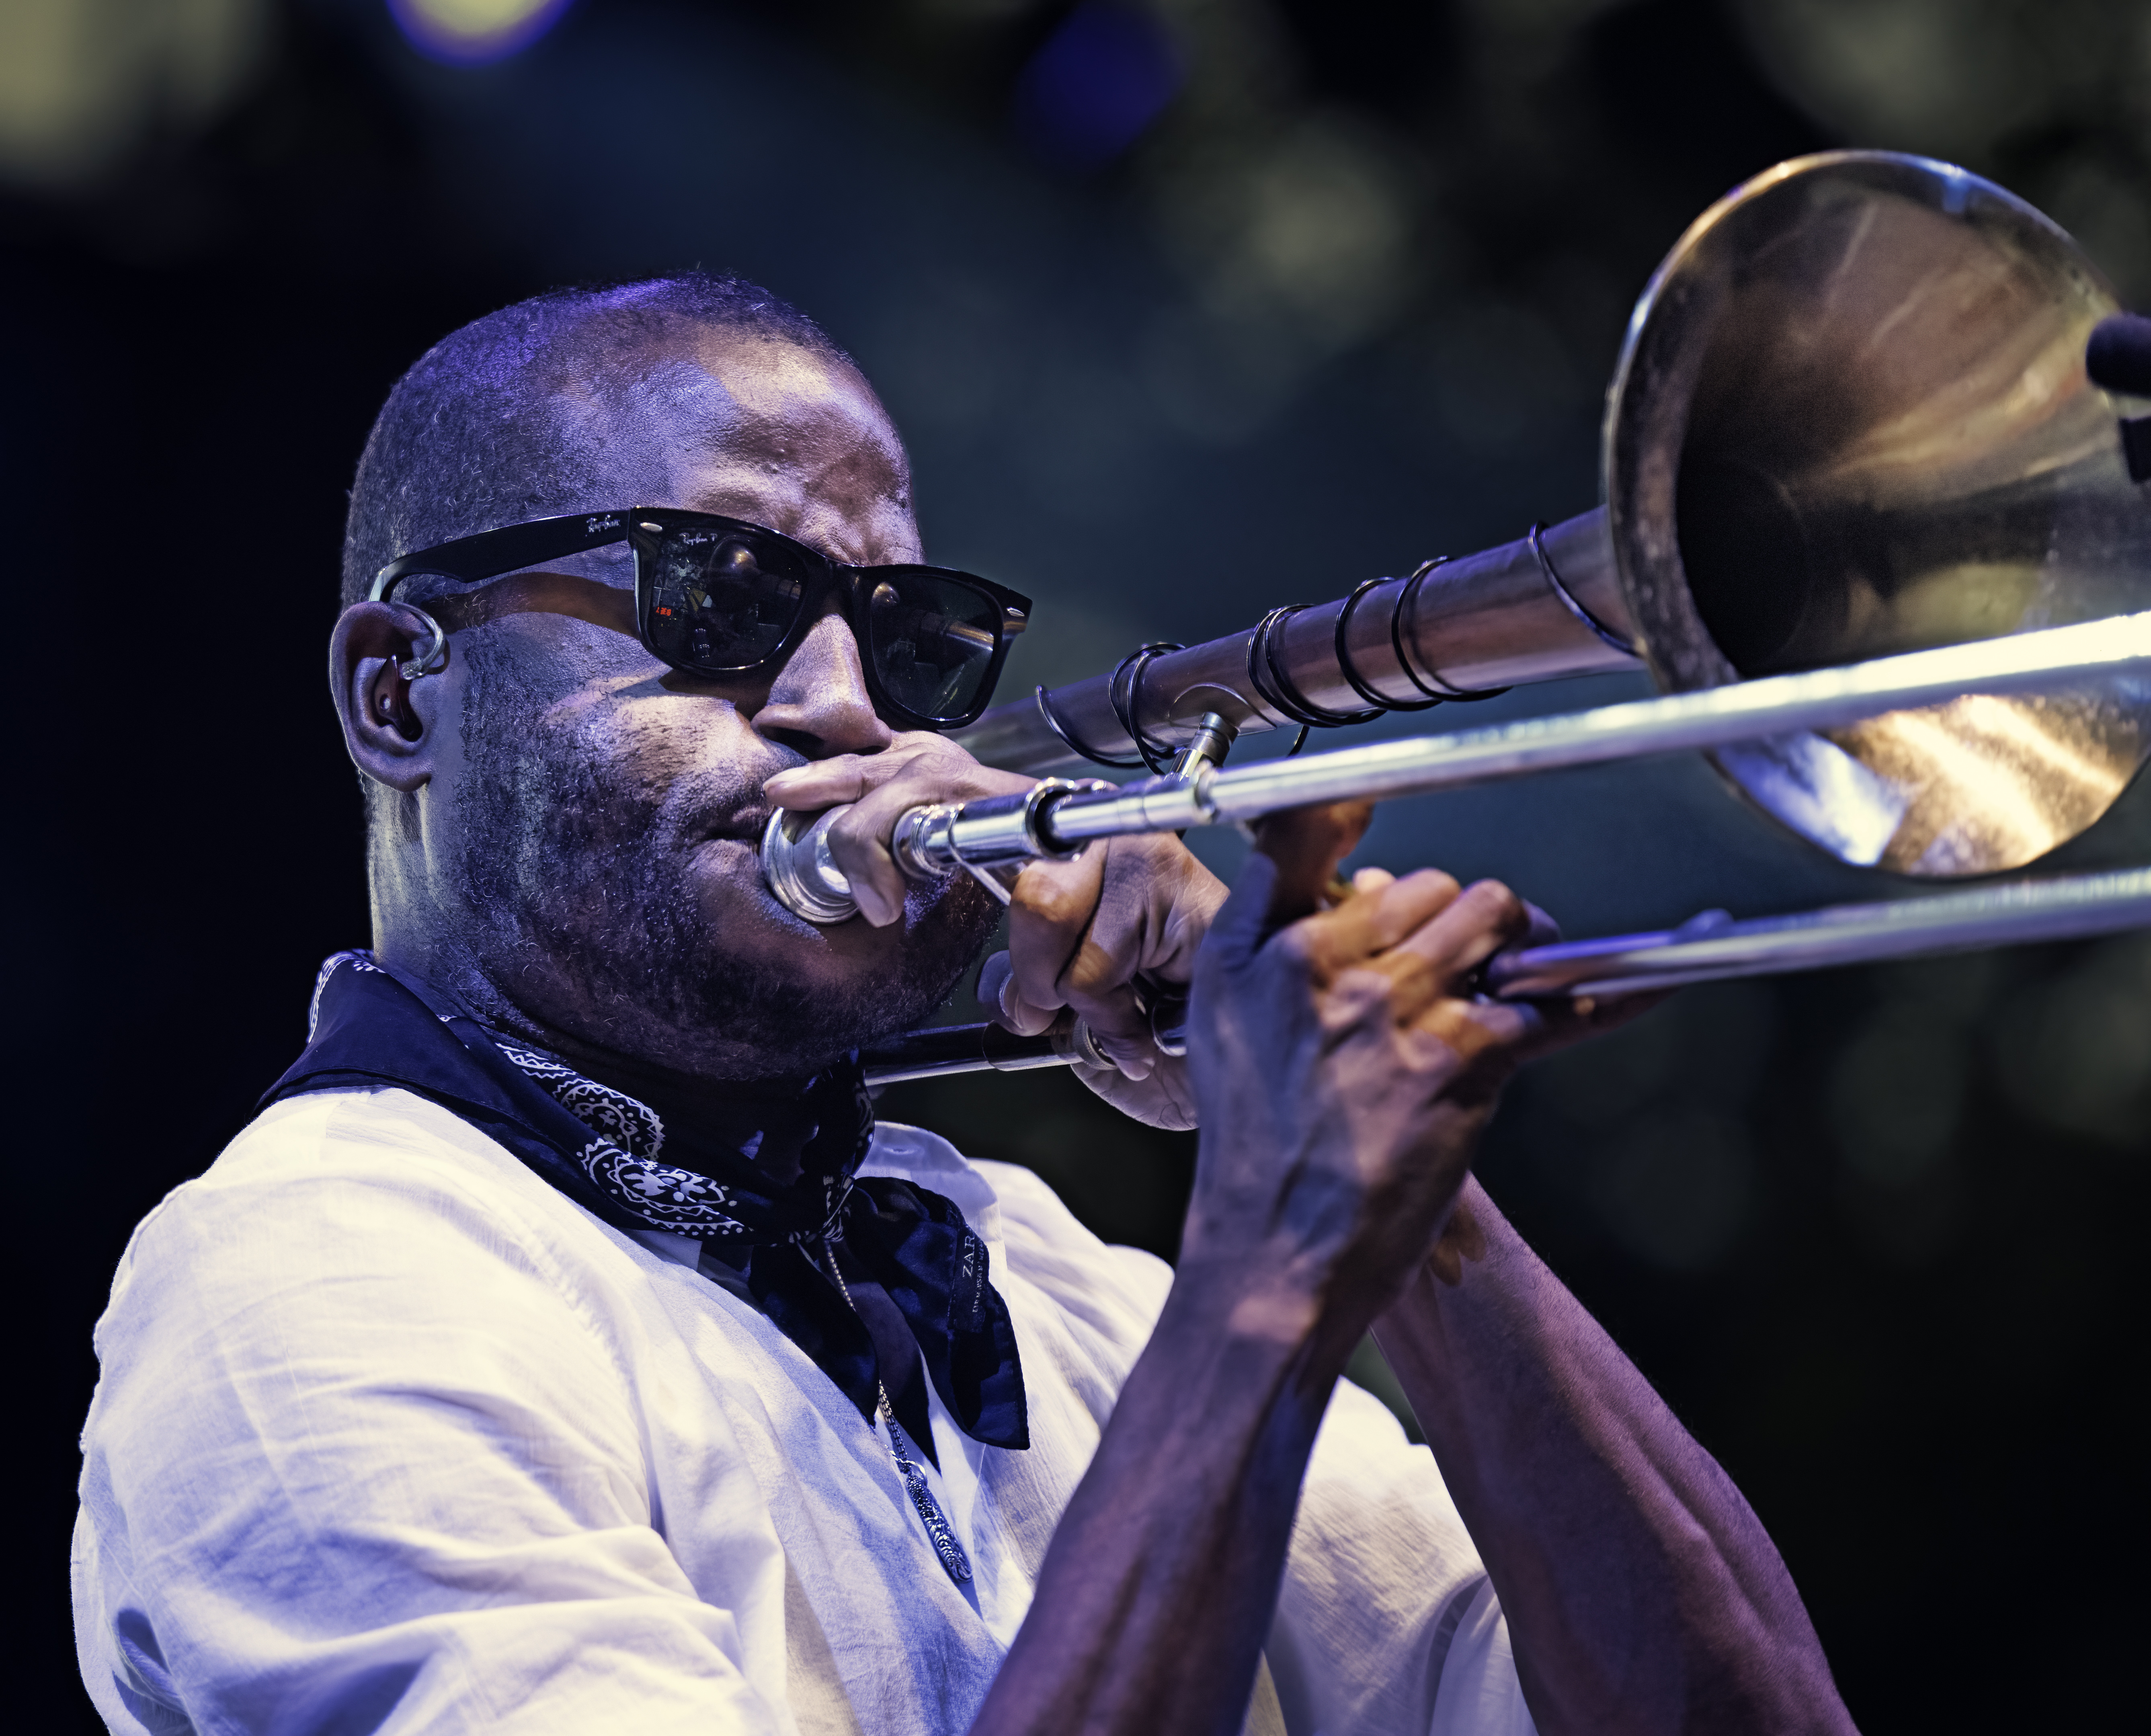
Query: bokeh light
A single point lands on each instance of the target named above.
(1094, 86)
(83, 81)
(469, 31)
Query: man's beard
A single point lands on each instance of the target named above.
(590, 920)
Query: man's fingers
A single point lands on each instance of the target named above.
(1500, 1035)
(825, 783)
(845, 776)
(1307, 843)
(1126, 907)
(1425, 965)
(1490, 1039)
(858, 844)
(1543, 930)
(1082, 932)
(1049, 918)
(1119, 1028)
(855, 845)
(859, 840)
(1007, 1008)
(917, 769)
(1456, 940)
(993, 978)
(1117, 1023)
(1370, 923)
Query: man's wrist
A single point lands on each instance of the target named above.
(1266, 1309)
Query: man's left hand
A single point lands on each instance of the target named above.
(1079, 932)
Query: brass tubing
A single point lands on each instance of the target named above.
(1775, 706)
(1487, 620)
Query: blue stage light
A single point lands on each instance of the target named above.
(1094, 86)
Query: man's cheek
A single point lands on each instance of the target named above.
(687, 734)
(956, 911)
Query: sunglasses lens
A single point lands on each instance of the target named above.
(932, 639)
(722, 599)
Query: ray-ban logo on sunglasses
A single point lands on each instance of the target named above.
(607, 521)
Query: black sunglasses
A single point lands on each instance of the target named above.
(722, 597)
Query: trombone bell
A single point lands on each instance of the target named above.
(1851, 419)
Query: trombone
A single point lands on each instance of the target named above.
(1876, 486)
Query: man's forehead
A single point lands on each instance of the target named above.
(759, 377)
(759, 426)
(719, 391)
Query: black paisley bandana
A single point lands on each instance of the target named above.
(616, 1156)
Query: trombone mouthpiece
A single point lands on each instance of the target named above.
(796, 862)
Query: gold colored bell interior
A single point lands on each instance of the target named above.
(1852, 418)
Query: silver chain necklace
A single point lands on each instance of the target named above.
(939, 1531)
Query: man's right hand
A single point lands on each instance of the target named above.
(1344, 1071)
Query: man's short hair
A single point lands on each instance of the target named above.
(471, 438)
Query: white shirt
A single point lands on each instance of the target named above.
(392, 1436)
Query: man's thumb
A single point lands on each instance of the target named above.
(1289, 873)
(1307, 844)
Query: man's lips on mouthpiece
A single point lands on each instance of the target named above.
(739, 825)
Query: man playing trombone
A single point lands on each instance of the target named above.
(564, 1348)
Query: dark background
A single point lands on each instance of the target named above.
(1188, 309)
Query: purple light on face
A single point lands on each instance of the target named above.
(469, 32)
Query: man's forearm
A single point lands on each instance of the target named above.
(1641, 1590)
(1154, 1596)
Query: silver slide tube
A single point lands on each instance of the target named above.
(1712, 946)
(1709, 948)
(934, 842)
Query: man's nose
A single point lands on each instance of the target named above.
(818, 703)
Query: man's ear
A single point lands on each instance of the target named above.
(388, 720)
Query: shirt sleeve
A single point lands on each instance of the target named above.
(359, 1460)
(1387, 1623)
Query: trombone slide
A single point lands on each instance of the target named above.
(1710, 947)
